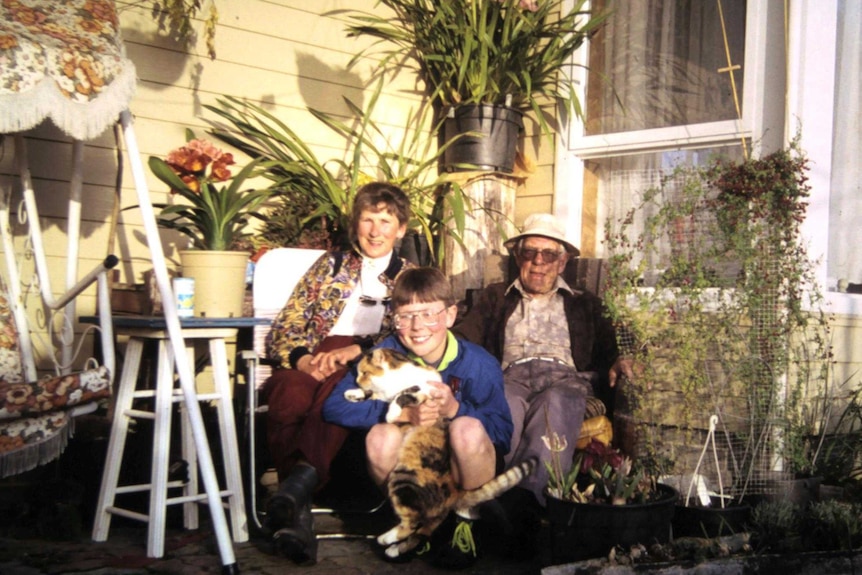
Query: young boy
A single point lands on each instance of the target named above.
(472, 395)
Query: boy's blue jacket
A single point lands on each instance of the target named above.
(474, 375)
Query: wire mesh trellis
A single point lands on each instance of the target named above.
(720, 319)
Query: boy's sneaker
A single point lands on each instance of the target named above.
(422, 550)
(460, 551)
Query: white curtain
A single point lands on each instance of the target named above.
(656, 64)
(845, 200)
(622, 182)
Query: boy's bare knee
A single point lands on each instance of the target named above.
(467, 435)
(382, 438)
(382, 444)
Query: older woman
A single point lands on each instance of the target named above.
(336, 311)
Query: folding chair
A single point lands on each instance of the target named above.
(83, 112)
(276, 274)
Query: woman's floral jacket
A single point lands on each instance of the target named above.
(317, 302)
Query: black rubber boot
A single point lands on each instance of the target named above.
(289, 518)
(298, 543)
(521, 524)
(294, 492)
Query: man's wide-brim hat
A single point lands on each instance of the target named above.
(544, 225)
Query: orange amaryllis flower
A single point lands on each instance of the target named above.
(191, 161)
(214, 218)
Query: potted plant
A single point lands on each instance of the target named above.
(719, 293)
(213, 217)
(605, 499)
(838, 448)
(483, 63)
(292, 167)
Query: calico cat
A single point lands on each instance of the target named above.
(423, 491)
(391, 376)
(421, 488)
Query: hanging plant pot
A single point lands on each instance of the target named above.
(489, 141)
(713, 521)
(584, 530)
(414, 248)
(799, 490)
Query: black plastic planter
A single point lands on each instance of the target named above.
(714, 521)
(584, 530)
(489, 141)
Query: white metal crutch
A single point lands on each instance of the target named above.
(183, 367)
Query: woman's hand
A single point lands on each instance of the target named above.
(304, 364)
(322, 365)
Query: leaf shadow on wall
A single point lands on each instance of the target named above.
(324, 87)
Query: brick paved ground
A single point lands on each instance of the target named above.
(46, 516)
(195, 552)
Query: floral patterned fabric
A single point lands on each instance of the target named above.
(34, 420)
(317, 302)
(62, 59)
(52, 394)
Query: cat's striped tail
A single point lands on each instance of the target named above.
(499, 485)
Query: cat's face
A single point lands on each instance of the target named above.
(427, 341)
(376, 364)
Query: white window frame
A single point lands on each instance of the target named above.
(810, 80)
(813, 30)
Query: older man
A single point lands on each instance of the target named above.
(553, 341)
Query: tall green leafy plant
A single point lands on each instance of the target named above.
(513, 52)
(438, 206)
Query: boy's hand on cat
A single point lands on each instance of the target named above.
(442, 396)
(426, 413)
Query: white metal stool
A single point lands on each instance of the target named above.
(166, 396)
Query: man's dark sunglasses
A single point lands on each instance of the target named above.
(548, 256)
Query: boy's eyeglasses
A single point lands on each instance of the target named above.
(428, 318)
(548, 256)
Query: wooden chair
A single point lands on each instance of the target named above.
(47, 90)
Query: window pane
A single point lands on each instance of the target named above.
(621, 182)
(656, 64)
(844, 263)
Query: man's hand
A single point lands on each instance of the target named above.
(622, 367)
